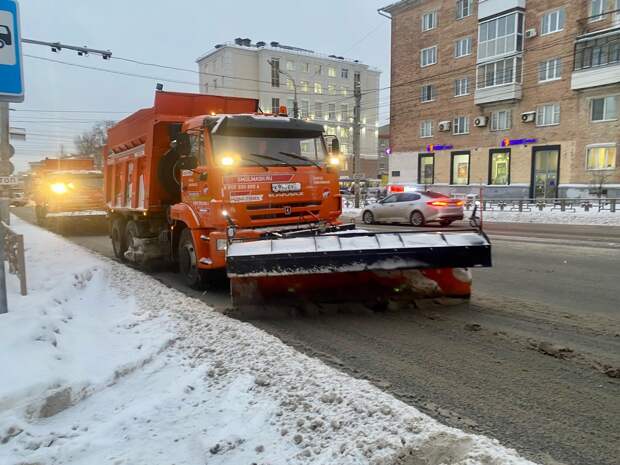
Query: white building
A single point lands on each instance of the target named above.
(324, 87)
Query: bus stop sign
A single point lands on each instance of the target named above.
(11, 75)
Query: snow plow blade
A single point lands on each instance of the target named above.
(356, 266)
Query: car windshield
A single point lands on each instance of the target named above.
(270, 151)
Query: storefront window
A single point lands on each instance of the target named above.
(460, 168)
(499, 167)
(426, 172)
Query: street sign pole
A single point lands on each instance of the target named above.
(4, 202)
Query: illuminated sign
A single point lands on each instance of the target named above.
(388, 151)
(433, 147)
(509, 142)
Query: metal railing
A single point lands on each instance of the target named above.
(569, 205)
(14, 254)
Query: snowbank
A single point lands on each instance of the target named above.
(582, 217)
(103, 364)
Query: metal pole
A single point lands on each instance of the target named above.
(4, 155)
(356, 139)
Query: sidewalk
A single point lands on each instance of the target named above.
(103, 364)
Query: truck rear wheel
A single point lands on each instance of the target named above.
(119, 242)
(188, 261)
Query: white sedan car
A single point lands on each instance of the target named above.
(417, 208)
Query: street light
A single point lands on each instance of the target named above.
(295, 105)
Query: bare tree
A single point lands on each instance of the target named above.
(598, 184)
(91, 142)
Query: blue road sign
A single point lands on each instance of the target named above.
(11, 75)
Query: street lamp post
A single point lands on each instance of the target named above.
(295, 104)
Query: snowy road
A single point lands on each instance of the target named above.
(525, 364)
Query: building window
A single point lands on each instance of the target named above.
(305, 86)
(331, 89)
(290, 85)
(331, 71)
(344, 112)
(459, 173)
(461, 87)
(605, 108)
(499, 167)
(318, 110)
(429, 21)
(275, 105)
(601, 157)
(290, 66)
(500, 72)
(331, 111)
(395, 174)
(305, 67)
(290, 106)
(344, 73)
(427, 93)
(596, 10)
(275, 72)
(305, 109)
(597, 52)
(550, 70)
(426, 128)
(500, 36)
(428, 56)
(344, 90)
(552, 21)
(460, 125)
(463, 8)
(462, 47)
(318, 70)
(548, 115)
(318, 88)
(426, 169)
(501, 120)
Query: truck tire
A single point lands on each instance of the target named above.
(119, 243)
(131, 232)
(188, 261)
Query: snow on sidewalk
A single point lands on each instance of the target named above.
(103, 364)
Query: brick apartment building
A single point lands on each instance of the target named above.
(521, 97)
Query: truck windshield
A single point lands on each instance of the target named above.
(277, 151)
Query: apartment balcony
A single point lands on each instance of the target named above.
(498, 93)
(597, 60)
(488, 8)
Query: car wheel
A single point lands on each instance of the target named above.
(119, 243)
(445, 223)
(188, 261)
(1, 44)
(417, 218)
(368, 217)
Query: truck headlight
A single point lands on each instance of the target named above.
(334, 160)
(59, 187)
(227, 161)
(221, 244)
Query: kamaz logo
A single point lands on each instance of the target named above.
(287, 211)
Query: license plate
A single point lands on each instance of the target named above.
(286, 187)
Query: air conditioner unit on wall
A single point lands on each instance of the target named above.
(480, 121)
(445, 126)
(528, 116)
(530, 33)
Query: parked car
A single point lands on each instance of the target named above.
(417, 208)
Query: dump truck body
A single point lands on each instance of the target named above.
(210, 184)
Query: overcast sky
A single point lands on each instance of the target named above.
(168, 33)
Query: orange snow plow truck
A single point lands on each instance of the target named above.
(212, 184)
(68, 190)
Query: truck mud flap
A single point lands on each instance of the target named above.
(356, 266)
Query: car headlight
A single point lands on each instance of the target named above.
(59, 187)
(334, 160)
(221, 244)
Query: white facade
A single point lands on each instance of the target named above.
(324, 86)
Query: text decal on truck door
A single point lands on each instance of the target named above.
(286, 187)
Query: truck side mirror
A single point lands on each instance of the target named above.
(182, 144)
(335, 145)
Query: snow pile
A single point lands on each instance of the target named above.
(103, 364)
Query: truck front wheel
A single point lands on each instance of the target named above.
(119, 242)
(188, 261)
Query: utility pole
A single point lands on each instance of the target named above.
(357, 115)
(284, 73)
